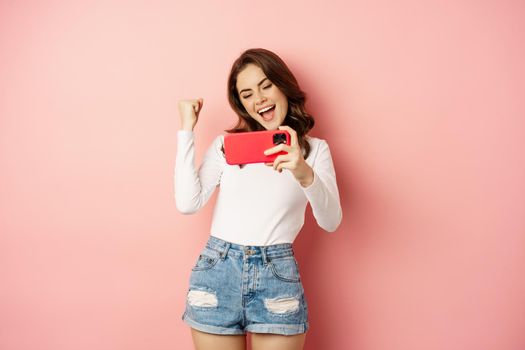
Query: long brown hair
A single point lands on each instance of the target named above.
(279, 74)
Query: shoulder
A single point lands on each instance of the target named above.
(318, 147)
(216, 146)
(316, 143)
(218, 141)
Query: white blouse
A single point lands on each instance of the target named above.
(256, 205)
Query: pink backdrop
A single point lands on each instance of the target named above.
(422, 103)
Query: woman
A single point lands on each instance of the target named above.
(246, 278)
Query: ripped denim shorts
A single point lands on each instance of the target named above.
(234, 289)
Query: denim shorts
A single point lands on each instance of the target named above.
(234, 289)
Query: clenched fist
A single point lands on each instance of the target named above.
(189, 113)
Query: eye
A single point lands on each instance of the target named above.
(246, 96)
(267, 86)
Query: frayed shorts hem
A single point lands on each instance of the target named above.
(283, 329)
(211, 329)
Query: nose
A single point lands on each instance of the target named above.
(260, 99)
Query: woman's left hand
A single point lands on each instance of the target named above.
(293, 161)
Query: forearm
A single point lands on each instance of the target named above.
(187, 183)
(325, 203)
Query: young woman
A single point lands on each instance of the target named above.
(246, 278)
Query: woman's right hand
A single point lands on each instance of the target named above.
(189, 113)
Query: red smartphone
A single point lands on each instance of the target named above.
(249, 147)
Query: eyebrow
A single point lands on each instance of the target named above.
(257, 85)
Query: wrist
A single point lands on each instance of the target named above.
(308, 178)
(186, 128)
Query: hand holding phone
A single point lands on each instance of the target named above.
(249, 147)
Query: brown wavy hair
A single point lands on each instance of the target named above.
(279, 74)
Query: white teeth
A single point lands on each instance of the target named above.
(265, 109)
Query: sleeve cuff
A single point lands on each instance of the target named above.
(311, 188)
(184, 136)
(185, 133)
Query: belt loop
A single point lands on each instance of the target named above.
(225, 251)
(264, 256)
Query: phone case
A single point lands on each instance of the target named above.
(249, 147)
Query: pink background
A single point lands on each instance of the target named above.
(422, 103)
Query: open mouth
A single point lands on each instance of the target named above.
(267, 112)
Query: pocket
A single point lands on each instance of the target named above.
(285, 269)
(207, 259)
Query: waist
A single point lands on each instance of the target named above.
(239, 250)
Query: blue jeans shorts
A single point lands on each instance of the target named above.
(234, 289)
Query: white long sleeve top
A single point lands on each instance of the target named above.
(256, 205)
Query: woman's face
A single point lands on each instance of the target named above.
(262, 100)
